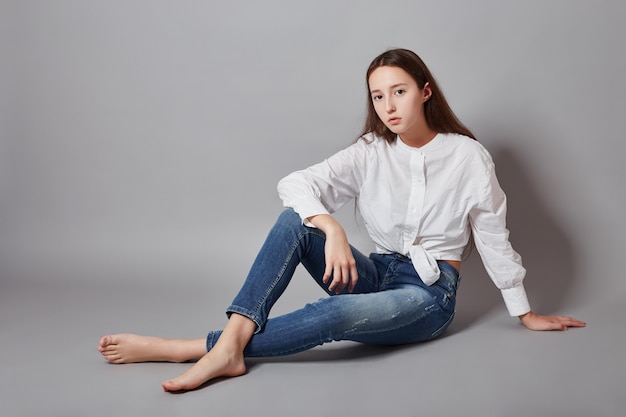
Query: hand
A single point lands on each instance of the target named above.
(340, 263)
(534, 321)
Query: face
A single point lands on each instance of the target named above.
(399, 102)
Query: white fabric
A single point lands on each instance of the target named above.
(423, 203)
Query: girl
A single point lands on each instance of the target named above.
(425, 187)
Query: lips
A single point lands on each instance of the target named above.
(394, 120)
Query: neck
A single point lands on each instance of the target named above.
(419, 139)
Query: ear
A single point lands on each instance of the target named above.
(427, 92)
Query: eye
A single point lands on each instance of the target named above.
(377, 97)
(400, 92)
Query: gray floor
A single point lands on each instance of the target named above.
(486, 365)
(122, 131)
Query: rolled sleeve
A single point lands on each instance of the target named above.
(296, 193)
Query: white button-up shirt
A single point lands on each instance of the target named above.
(424, 203)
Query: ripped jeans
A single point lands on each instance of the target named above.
(390, 304)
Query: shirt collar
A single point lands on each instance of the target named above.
(433, 144)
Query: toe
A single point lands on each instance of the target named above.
(113, 358)
(170, 385)
(105, 341)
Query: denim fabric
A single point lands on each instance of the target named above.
(390, 304)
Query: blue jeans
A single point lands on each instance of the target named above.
(390, 304)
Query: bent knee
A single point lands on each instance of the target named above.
(289, 217)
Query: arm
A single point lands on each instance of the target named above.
(327, 186)
(340, 263)
(318, 191)
(504, 264)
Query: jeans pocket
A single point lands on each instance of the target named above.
(444, 290)
(449, 279)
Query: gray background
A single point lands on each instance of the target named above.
(141, 142)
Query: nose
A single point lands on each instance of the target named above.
(390, 107)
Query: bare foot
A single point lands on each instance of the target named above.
(216, 363)
(129, 348)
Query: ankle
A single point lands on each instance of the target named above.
(237, 332)
(183, 350)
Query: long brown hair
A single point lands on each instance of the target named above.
(438, 113)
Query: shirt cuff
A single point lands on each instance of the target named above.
(516, 300)
(308, 209)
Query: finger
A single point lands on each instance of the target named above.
(575, 322)
(343, 281)
(572, 322)
(568, 321)
(336, 279)
(346, 277)
(551, 325)
(355, 277)
(327, 273)
(554, 323)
